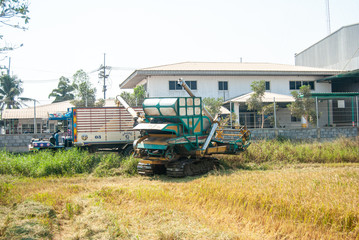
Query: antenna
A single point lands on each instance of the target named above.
(328, 16)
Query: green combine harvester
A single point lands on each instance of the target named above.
(178, 137)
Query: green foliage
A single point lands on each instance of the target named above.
(213, 105)
(12, 10)
(258, 156)
(100, 103)
(304, 104)
(112, 165)
(284, 151)
(139, 93)
(85, 94)
(10, 91)
(136, 98)
(64, 90)
(65, 163)
(5, 192)
(13, 13)
(255, 102)
(129, 98)
(46, 163)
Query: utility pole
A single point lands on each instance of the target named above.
(103, 75)
(8, 69)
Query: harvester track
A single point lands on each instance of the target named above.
(190, 167)
(180, 168)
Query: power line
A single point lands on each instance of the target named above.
(40, 81)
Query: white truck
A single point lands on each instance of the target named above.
(105, 128)
(96, 129)
(109, 128)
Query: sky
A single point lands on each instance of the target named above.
(68, 35)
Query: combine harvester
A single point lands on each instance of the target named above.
(179, 136)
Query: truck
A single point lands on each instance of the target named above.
(179, 137)
(107, 129)
(98, 129)
(63, 120)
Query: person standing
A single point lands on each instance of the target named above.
(57, 136)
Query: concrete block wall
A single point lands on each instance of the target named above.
(305, 133)
(18, 142)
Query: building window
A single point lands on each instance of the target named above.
(267, 85)
(192, 85)
(173, 85)
(310, 83)
(295, 85)
(222, 85)
(294, 119)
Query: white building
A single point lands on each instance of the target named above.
(339, 50)
(226, 80)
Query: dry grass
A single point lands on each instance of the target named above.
(297, 202)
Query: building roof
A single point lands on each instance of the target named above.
(43, 111)
(335, 95)
(268, 97)
(224, 69)
(347, 76)
(329, 36)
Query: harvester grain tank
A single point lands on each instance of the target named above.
(179, 136)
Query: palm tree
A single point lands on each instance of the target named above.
(10, 91)
(63, 92)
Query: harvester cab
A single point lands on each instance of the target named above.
(179, 135)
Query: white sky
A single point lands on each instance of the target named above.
(68, 35)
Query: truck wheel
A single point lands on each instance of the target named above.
(91, 149)
(128, 151)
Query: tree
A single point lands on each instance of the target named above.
(129, 98)
(64, 91)
(10, 91)
(304, 104)
(136, 98)
(11, 12)
(85, 95)
(213, 105)
(139, 94)
(255, 102)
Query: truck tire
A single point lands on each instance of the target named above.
(92, 149)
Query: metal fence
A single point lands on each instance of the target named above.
(330, 112)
